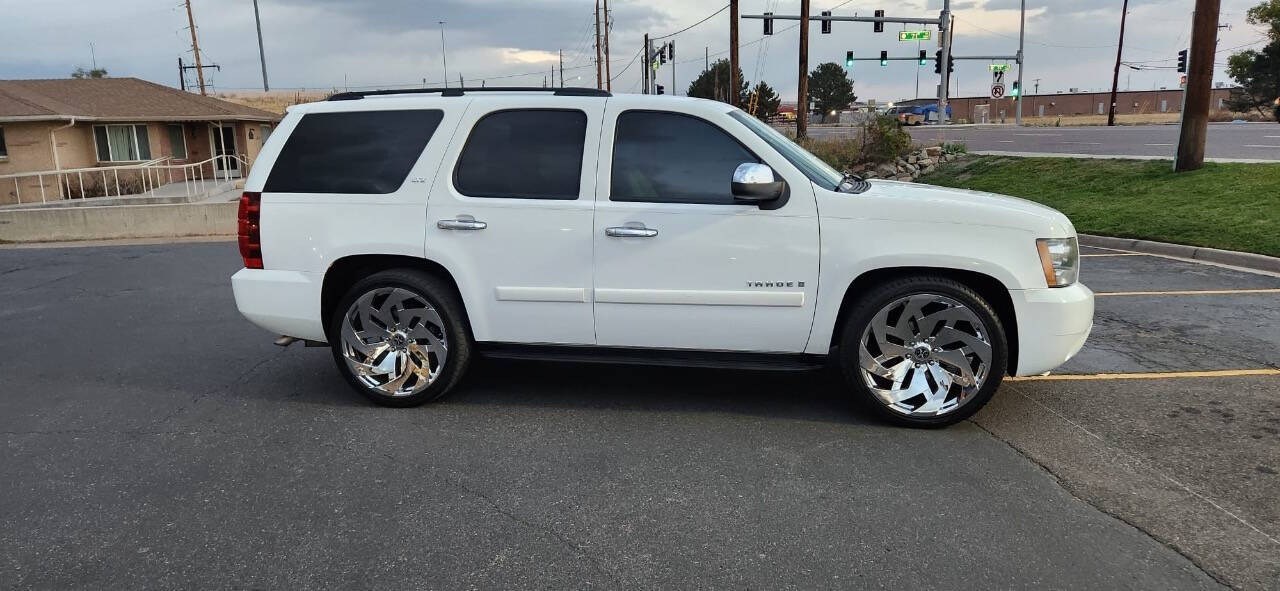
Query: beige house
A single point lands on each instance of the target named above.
(57, 125)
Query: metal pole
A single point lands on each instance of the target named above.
(561, 54)
(195, 48)
(733, 47)
(1115, 76)
(945, 63)
(182, 76)
(1022, 35)
(262, 56)
(802, 89)
(673, 72)
(444, 55)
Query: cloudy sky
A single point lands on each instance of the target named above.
(323, 44)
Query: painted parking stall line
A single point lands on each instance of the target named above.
(1188, 292)
(1158, 375)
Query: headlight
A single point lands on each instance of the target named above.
(1060, 258)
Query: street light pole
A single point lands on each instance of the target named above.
(1022, 35)
(262, 55)
(444, 55)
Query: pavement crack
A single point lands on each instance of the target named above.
(574, 547)
(1180, 339)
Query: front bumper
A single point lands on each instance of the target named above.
(283, 302)
(1053, 324)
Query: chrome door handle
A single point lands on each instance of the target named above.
(461, 225)
(630, 232)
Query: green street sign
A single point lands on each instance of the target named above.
(924, 35)
(999, 67)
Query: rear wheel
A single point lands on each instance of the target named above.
(399, 337)
(923, 351)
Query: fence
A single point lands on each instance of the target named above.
(141, 178)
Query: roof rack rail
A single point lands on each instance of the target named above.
(459, 91)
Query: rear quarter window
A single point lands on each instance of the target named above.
(361, 152)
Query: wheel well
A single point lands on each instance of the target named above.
(345, 272)
(987, 286)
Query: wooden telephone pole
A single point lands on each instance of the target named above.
(195, 48)
(1115, 76)
(733, 53)
(802, 89)
(599, 82)
(608, 76)
(1195, 99)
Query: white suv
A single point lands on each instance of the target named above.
(413, 230)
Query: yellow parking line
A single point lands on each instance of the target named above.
(1187, 292)
(1226, 373)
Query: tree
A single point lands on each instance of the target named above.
(1258, 71)
(714, 84)
(767, 101)
(829, 88)
(81, 73)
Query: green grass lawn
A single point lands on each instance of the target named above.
(1230, 206)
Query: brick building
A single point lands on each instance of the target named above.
(974, 109)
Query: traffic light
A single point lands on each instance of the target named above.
(848, 59)
(671, 50)
(826, 23)
(923, 57)
(937, 63)
(768, 23)
(1182, 61)
(884, 58)
(1015, 91)
(661, 89)
(879, 25)
(662, 56)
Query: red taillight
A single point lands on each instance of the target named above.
(250, 229)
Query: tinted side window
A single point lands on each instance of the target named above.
(531, 154)
(673, 158)
(368, 152)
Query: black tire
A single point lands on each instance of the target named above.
(440, 296)
(869, 304)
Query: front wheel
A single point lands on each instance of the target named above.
(399, 337)
(923, 351)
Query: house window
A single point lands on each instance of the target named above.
(121, 143)
(177, 141)
(4, 152)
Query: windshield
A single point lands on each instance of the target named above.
(818, 171)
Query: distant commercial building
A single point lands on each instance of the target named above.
(1129, 102)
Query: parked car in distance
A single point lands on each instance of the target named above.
(907, 115)
(413, 231)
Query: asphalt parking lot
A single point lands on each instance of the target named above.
(155, 439)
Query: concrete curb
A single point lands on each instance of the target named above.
(1114, 157)
(1247, 260)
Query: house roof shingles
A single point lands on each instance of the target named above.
(115, 99)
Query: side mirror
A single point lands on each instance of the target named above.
(754, 183)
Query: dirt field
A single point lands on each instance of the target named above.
(274, 101)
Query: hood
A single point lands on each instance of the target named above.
(896, 200)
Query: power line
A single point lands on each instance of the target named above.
(628, 66)
(708, 17)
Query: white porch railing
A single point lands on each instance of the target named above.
(149, 175)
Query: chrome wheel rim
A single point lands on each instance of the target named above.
(925, 355)
(394, 341)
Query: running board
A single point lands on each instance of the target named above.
(285, 341)
(655, 357)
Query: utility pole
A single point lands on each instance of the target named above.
(561, 68)
(608, 75)
(706, 58)
(182, 76)
(1195, 99)
(599, 82)
(262, 55)
(802, 90)
(1022, 36)
(195, 48)
(733, 49)
(644, 71)
(1115, 76)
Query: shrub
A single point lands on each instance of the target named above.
(884, 140)
(955, 148)
(841, 153)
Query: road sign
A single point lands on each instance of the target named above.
(997, 78)
(924, 35)
(999, 67)
(997, 91)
